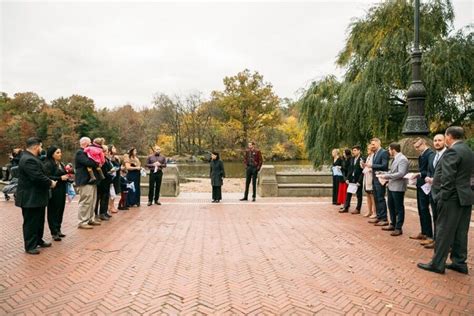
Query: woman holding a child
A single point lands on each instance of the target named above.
(133, 167)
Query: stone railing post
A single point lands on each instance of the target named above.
(267, 182)
(170, 182)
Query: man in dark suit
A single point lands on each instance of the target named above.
(32, 196)
(379, 164)
(423, 199)
(454, 197)
(253, 162)
(354, 175)
(440, 147)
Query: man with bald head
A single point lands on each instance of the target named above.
(87, 191)
(454, 198)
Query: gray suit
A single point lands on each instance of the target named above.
(398, 170)
(454, 197)
(397, 186)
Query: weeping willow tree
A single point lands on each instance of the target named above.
(370, 99)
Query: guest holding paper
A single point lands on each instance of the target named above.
(423, 199)
(454, 197)
(342, 190)
(354, 180)
(336, 174)
(440, 147)
(397, 186)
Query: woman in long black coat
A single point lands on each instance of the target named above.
(55, 171)
(217, 174)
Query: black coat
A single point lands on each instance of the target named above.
(345, 163)
(54, 173)
(82, 162)
(423, 165)
(33, 184)
(217, 172)
(452, 177)
(106, 167)
(354, 174)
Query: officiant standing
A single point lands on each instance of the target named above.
(156, 163)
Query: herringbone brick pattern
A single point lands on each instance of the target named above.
(188, 256)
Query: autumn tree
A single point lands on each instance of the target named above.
(370, 100)
(249, 103)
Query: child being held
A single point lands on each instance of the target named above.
(95, 152)
(70, 192)
(125, 186)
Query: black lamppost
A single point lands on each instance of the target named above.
(415, 123)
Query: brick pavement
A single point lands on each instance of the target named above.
(189, 256)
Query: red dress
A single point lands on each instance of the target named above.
(341, 193)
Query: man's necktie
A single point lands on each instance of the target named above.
(436, 158)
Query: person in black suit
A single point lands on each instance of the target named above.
(55, 170)
(423, 199)
(33, 195)
(440, 147)
(103, 189)
(354, 175)
(454, 198)
(379, 163)
(217, 173)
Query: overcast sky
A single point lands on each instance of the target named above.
(124, 52)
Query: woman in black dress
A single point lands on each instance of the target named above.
(336, 174)
(217, 173)
(133, 166)
(55, 171)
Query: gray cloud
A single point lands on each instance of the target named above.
(119, 52)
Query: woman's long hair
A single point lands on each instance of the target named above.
(215, 153)
(50, 152)
(130, 152)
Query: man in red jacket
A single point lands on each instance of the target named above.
(253, 162)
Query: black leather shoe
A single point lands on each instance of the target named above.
(103, 217)
(45, 245)
(61, 234)
(458, 268)
(149, 203)
(157, 203)
(429, 267)
(344, 210)
(253, 199)
(389, 228)
(33, 252)
(56, 238)
(243, 199)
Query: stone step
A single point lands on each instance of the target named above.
(286, 177)
(304, 189)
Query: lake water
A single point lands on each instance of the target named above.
(237, 170)
(233, 169)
